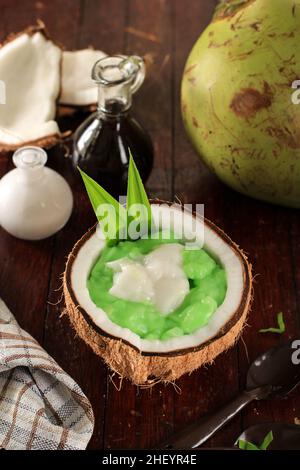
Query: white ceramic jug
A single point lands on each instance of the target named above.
(35, 201)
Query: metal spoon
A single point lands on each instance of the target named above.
(285, 436)
(271, 374)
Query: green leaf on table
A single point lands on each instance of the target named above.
(106, 208)
(281, 326)
(267, 441)
(138, 205)
(246, 445)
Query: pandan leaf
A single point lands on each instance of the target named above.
(281, 326)
(100, 197)
(246, 445)
(136, 194)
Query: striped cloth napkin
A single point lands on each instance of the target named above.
(41, 407)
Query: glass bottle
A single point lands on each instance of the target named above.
(35, 201)
(101, 143)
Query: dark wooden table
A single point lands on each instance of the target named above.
(30, 274)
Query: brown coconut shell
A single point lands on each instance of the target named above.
(49, 140)
(144, 368)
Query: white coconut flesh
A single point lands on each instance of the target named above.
(158, 278)
(78, 88)
(211, 241)
(30, 71)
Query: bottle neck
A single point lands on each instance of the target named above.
(30, 163)
(114, 101)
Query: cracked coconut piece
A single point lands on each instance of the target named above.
(30, 70)
(78, 88)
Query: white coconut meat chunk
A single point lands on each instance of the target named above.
(165, 262)
(158, 278)
(132, 283)
(211, 240)
(78, 88)
(30, 71)
(170, 293)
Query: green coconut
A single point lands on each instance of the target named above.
(237, 98)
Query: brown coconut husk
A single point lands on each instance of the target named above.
(146, 369)
(44, 142)
(30, 30)
(49, 140)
